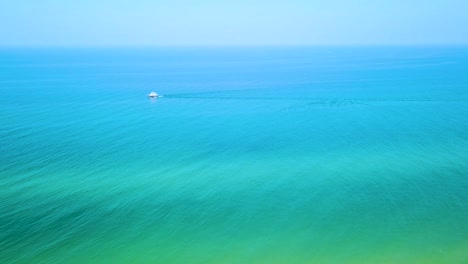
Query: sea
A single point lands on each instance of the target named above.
(252, 155)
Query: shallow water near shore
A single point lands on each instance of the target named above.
(253, 155)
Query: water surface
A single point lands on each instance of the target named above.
(253, 155)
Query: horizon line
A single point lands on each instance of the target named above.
(234, 45)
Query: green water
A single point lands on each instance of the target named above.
(253, 155)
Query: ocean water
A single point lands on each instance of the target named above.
(253, 155)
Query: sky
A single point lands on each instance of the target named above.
(232, 22)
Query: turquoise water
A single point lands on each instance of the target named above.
(253, 155)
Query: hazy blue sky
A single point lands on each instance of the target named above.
(240, 22)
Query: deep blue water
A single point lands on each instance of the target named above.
(253, 155)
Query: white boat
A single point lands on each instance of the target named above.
(153, 95)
